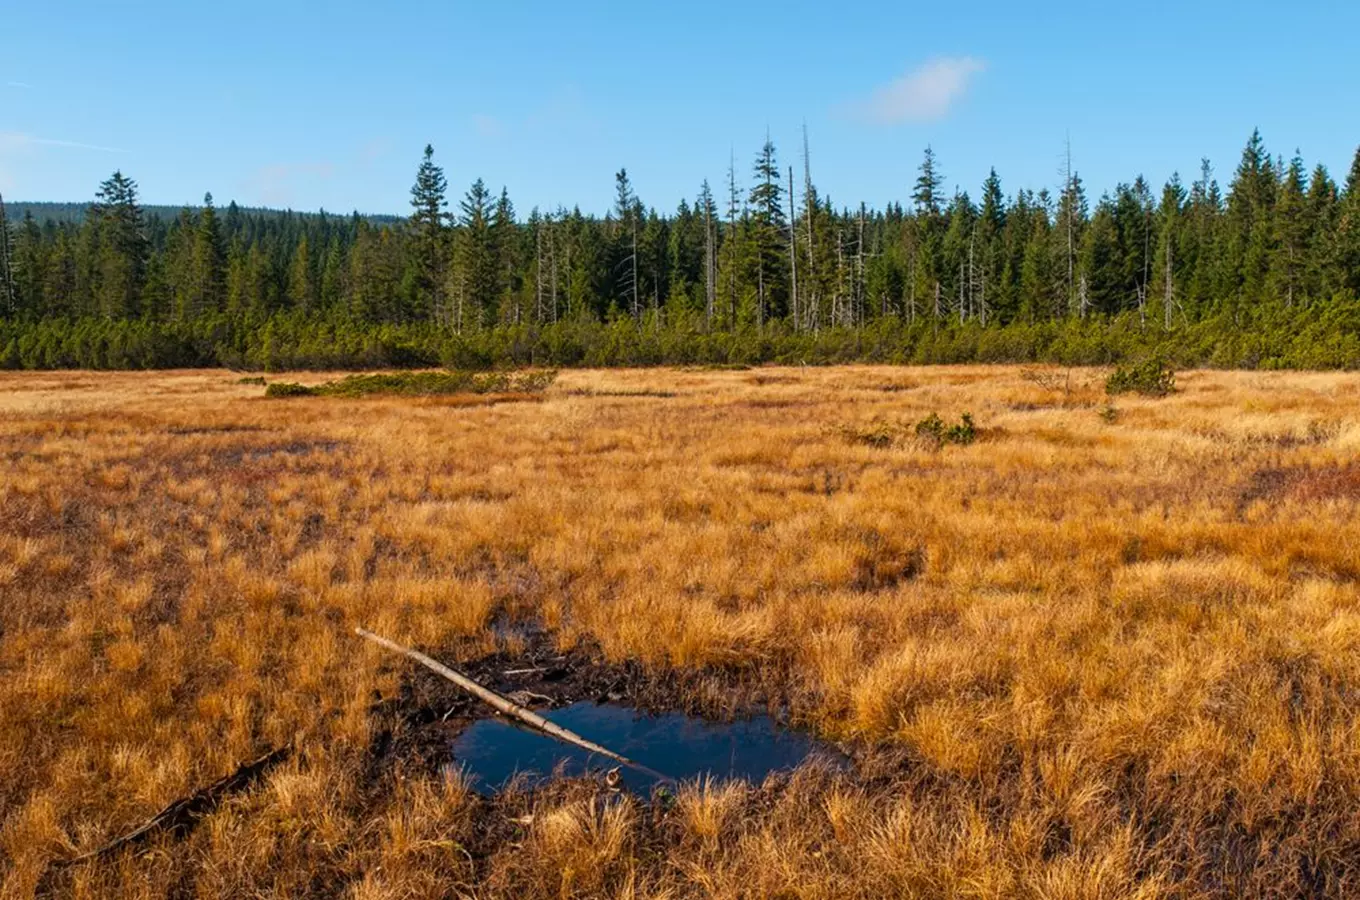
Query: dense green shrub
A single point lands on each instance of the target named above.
(289, 389)
(421, 384)
(1269, 337)
(934, 430)
(1151, 378)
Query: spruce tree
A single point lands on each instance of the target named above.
(926, 194)
(207, 281)
(626, 215)
(9, 297)
(121, 250)
(505, 252)
(1322, 210)
(987, 262)
(478, 279)
(1346, 246)
(1170, 259)
(301, 281)
(768, 226)
(429, 217)
(27, 268)
(1250, 232)
(1292, 236)
(1038, 276)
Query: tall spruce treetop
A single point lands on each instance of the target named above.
(625, 201)
(767, 192)
(503, 239)
(926, 194)
(427, 195)
(428, 218)
(477, 253)
(1253, 186)
(993, 202)
(207, 289)
(122, 248)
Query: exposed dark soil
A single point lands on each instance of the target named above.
(418, 725)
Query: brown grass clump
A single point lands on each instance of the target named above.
(1075, 658)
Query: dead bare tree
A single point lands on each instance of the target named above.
(710, 265)
(6, 264)
(809, 212)
(1169, 289)
(732, 199)
(552, 256)
(538, 275)
(634, 262)
(1071, 214)
(858, 315)
(793, 252)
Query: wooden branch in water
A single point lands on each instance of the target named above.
(507, 706)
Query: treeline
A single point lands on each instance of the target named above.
(1264, 273)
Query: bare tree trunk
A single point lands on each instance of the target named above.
(458, 311)
(731, 238)
(636, 309)
(6, 264)
(963, 309)
(538, 277)
(809, 210)
(793, 252)
(1170, 288)
(837, 313)
(760, 290)
(1071, 214)
(710, 272)
(552, 253)
(911, 291)
(859, 270)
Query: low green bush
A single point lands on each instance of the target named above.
(935, 430)
(1152, 378)
(421, 384)
(289, 389)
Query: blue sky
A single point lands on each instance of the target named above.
(329, 105)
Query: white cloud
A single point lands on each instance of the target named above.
(924, 94)
(17, 140)
(487, 126)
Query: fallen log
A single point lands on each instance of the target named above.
(186, 810)
(509, 707)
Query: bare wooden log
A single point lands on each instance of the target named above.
(187, 810)
(507, 706)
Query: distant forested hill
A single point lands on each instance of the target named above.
(74, 213)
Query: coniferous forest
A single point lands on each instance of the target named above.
(1263, 271)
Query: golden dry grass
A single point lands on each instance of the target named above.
(1079, 658)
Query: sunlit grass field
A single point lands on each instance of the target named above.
(1099, 652)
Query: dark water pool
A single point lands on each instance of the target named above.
(493, 751)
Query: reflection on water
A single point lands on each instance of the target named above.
(492, 750)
